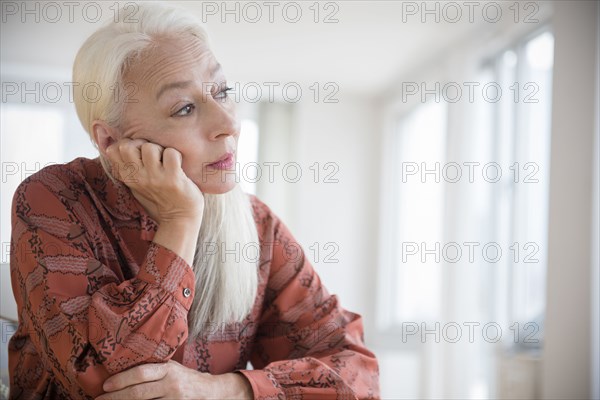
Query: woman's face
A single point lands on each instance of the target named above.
(177, 99)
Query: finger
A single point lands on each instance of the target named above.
(135, 142)
(151, 156)
(143, 391)
(131, 150)
(112, 152)
(114, 159)
(131, 159)
(135, 376)
(172, 159)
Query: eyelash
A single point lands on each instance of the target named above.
(192, 106)
(224, 91)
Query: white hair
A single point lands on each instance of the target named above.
(225, 286)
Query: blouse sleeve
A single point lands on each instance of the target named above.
(307, 345)
(86, 322)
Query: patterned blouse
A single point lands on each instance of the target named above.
(97, 296)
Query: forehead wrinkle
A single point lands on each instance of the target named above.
(152, 75)
(163, 60)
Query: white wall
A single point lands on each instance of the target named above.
(595, 281)
(567, 358)
(344, 213)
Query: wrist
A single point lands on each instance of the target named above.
(179, 236)
(192, 222)
(238, 386)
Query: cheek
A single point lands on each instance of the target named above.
(194, 157)
(143, 126)
(181, 139)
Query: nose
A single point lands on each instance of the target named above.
(220, 121)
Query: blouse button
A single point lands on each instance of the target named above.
(187, 292)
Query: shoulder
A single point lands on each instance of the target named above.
(260, 210)
(56, 176)
(47, 189)
(269, 225)
(264, 216)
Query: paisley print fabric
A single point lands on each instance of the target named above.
(97, 296)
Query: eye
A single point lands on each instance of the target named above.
(186, 110)
(222, 95)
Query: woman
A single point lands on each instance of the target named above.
(135, 274)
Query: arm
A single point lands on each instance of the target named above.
(86, 337)
(307, 344)
(82, 316)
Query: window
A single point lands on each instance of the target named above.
(522, 142)
(247, 156)
(426, 298)
(32, 137)
(421, 148)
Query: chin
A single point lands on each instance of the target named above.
(216, 187)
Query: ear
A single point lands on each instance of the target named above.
(104, 135)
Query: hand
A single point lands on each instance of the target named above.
(173, 380)
(156, 179)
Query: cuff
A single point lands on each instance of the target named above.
(264, 385)
(166, 269)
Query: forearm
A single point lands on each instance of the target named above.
(237, 386)
(173, 380)
(179, 236)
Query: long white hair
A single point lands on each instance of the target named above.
(226, 284)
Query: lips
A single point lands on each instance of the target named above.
(225, 161)
(222, 158)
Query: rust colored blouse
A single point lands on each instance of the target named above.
(97, 296)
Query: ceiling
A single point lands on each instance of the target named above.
(371, 44)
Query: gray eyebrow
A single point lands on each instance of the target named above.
(183, 84)
(172, 85)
